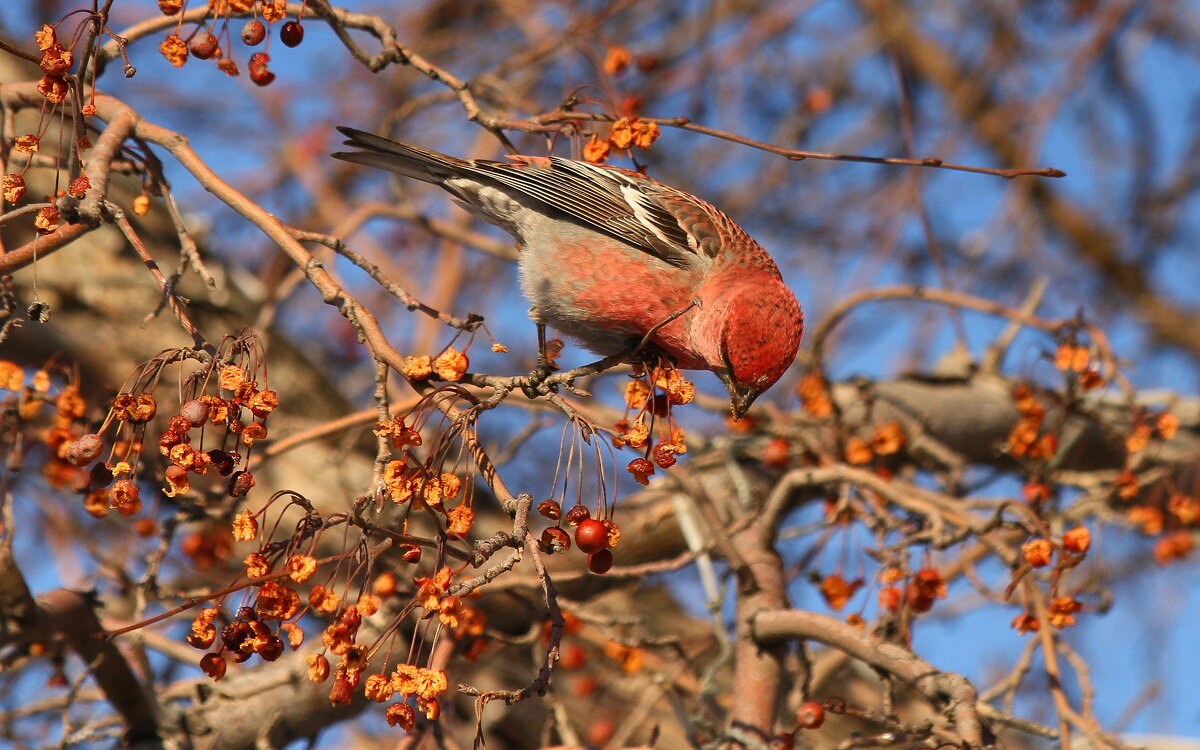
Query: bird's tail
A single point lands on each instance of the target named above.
(410, 161)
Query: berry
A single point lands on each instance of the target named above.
(555, 539)
(600, 562)
(783, 741)
(258, 69)
(577, 514)
(254, 32)
(101, 476)
(204, 45)
(811, 715)
(81, 452)
(591, 536)
(291, 34)
(195, 412)
(776, 454)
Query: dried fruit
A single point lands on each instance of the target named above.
(617, 59)
(577, 514)
(204, 45)
(1038, 553)
(1077, 540)
(79, 186)
(254, 32)
(56, 60)
(245, 527)
(240, 483)
(641, 469)
(596, 150)
(46, 221)
(14, 188)
(550, 509)
(451, 364)
(45, 37)
(554, 539)
(195, 412)
(401, 715)
(54, 88)
(174, 49)
(26, 144)
(84, 450)
(213, 666)
(259, 73)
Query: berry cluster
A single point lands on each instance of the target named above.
(211, 38)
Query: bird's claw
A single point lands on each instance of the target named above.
(535, 383)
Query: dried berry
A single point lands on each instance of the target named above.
(213, 666)
(81, 452)
(195, 412)
(176, 476)
(259, 73)
(555, 539)
(577, 514)
(254, 32)
(591, 536)
(240, 483)
(79, 186)
(14, 188)
(204, 45)
(174, 49)
(179, 424)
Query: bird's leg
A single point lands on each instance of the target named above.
(696, 302)
(544, 366)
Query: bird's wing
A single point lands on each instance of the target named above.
(671, 225)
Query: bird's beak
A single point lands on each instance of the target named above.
(740, 397)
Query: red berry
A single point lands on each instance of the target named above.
(600, 562)
(291, 34)
(811, 715)
(783, 741)
(254, 32)
(591, 536)
(776, 454)
(204, 45)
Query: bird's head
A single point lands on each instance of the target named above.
(760, 332)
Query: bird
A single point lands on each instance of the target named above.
(611, 257)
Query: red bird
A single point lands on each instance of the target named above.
(608, 255)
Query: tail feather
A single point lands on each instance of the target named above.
(410, 161)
